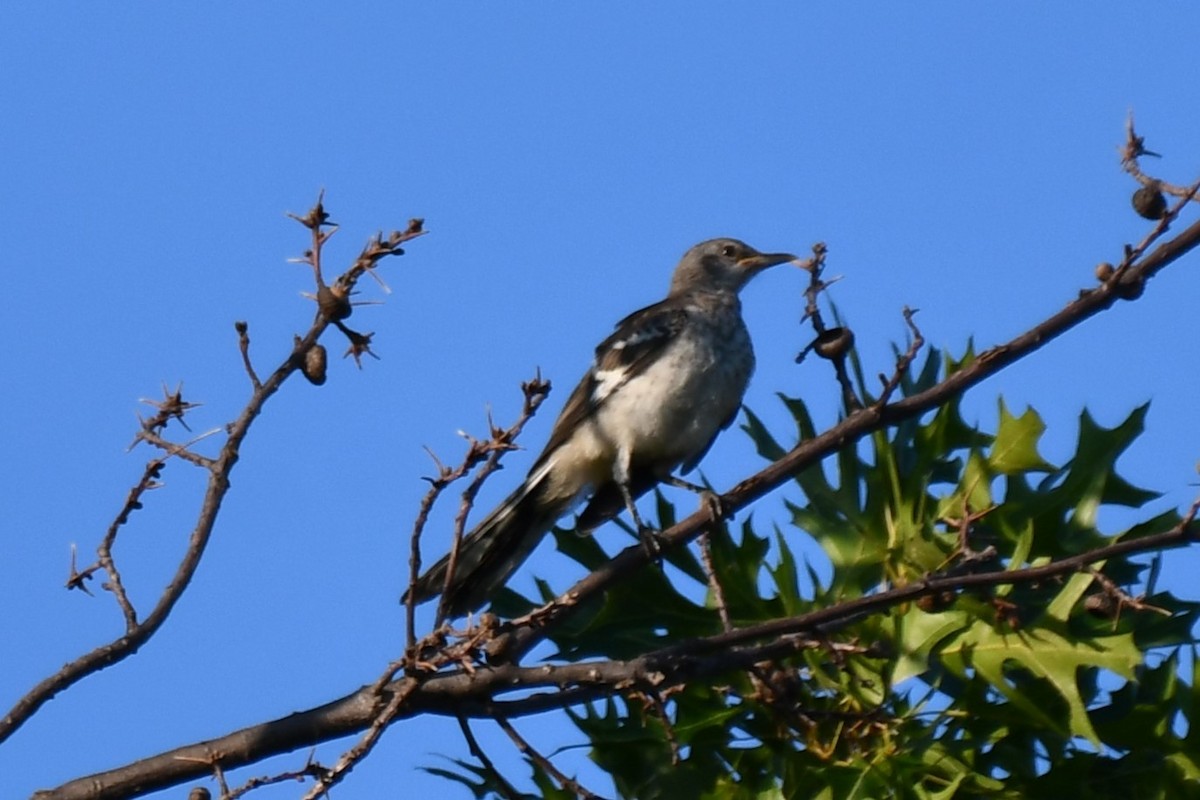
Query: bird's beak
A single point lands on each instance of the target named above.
(754, 264)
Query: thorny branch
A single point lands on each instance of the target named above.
(501, 441)
(714, 581)
(243, 332)
(904, 362)
(133, 502)
(1126, 283)
(1135, 148)
(476, 690)
(833, 344)
(365, 745)
(311, 769)
(174, 407)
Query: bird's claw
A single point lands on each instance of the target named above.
(651, 539)
(714, 505)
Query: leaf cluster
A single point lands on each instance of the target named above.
(1070, 687)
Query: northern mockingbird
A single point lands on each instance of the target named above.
(660, 389)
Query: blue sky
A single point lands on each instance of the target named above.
(962, 161)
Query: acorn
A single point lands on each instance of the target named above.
(314, 363)
(834, 343)
(1101, 605)
(939, 601)
(1104, 271)
(1149, 201)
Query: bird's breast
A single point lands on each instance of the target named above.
(674, 407)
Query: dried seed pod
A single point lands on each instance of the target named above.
(834, 343)
(314, 364)
(334, 304)
(939, 601)
(1100, 604)
(1149, 201)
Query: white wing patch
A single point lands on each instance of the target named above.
(608, 381)
(638, 336)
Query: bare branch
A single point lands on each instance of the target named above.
(1133, 149)
(1135, 270)
(384, 718)
(243, 332)
(475, 692)
(714, 581)
(506, 788)
(502, 441)
(546, 764)
(454, 681)
(905, 361)
(173, 406)
(311, 769)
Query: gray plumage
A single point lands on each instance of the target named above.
(660, 389)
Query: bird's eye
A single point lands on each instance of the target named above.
(729, 251)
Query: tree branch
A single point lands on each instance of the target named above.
(1124, 284)
(474, 692)
(172, 407)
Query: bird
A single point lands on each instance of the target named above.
(660, 389)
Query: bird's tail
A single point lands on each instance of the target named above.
(490, 553)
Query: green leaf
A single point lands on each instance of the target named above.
(1094, 463)
(920, 635)
(768, 448)
(1044, 653)
(1015, 447)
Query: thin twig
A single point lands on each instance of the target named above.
(311, 769)
(502, 441)
(182, 451)
(1133, 149)
(905, 361)
(1120, 599)
(815, 266)
(530, 752)
(817, 285)
(437, 485)
(349, 759)
(505, 788)
(714, 581)
(474, 693)
(114, 584)
(660, 707)
(173, 407)
(862, 422)
(243, 332)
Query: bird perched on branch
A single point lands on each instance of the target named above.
(659, 390)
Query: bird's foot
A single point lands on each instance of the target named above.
(651, 539)
(709, 500)
(714, 505)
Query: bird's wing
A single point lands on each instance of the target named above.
(691, 463)
(638, 341)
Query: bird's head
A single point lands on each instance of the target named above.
(722, 265)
